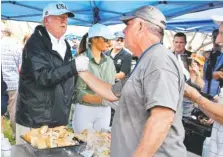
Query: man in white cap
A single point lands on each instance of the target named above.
(213, 110)
(47, 74)
(147, 122)
(122, 58)
(216, 145)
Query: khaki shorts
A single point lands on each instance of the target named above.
(12, 107)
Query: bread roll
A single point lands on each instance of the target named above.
(27, 136)
(41, 143)
(69, 136)
(31, 133)
(51, 143)
(60, 142)
(33, 141)
(55, 135)
(45, 137)
(43, 129)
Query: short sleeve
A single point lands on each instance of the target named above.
(161, 88)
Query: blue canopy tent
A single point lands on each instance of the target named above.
(105, 12)
(72, 36)
(199, 21)
(192, 25)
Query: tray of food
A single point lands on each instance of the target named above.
(46, 138)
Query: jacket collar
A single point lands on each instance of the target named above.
(42, 32)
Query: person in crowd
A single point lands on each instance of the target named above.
(213, 110)
(179, 43)
(11, 57)
(147, 121)
(75, 43)
(206, 55)
(211, 85)
(4, 100)
(47, 74)
(196, 77)
(196, 69)
(218, 74)
(122, 59)
(89, 110)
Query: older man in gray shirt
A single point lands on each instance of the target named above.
(147, 122)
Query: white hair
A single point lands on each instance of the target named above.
(154, 29)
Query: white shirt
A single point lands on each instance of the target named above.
(58, 45)
(11, 59)
(185, 72)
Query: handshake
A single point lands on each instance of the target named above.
(81, 63)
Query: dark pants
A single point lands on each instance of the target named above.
(4, 103)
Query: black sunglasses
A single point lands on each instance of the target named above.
(105, 40)
(120, 39)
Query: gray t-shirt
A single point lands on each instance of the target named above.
(156, 81)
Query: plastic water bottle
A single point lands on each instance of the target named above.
(206, 146)
(5, 147)
(2, 137)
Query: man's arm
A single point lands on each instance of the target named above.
(47, 74)
(100, 87)
(218, 75)
(155, 131)
(213, 110)
(119, 75)
(93, 99)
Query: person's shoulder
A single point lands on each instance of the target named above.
(162, 57)
(159, 51)
(40, 33)
(126, 53)
(189, 53)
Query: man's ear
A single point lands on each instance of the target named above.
(141, 27)
(45, 21)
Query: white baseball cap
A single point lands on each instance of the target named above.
(119, 35)
(147, 13)
(217, 19)
(57, 8)
(99, 30)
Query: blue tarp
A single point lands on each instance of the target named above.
(106, 12)
(199, 21)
